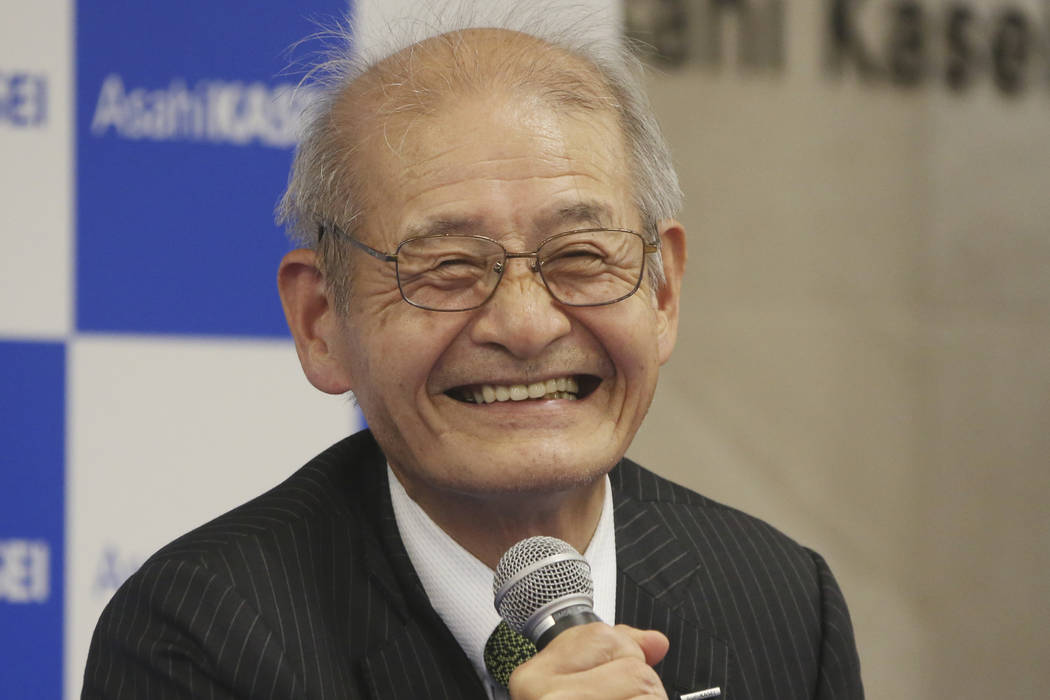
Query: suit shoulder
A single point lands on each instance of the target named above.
(637, 482)
(742, 580)
(272, 580)
(709, 524)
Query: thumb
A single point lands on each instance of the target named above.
(653, 643)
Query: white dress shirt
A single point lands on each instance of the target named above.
(459, 585)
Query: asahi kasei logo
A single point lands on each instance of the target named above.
(216, 111)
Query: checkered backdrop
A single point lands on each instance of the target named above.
(147, 381)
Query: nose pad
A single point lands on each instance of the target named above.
(521, 315)
(534, 265)
(498, 266)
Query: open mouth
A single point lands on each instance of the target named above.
(569, 388)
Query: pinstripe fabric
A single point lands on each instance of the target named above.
(746, 609)
(307, 592)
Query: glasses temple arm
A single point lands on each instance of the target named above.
(385, 257)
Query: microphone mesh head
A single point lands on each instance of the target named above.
(536, 572)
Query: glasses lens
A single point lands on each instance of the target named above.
(448, 273)
(590, 268)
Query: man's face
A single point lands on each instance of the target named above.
(516, 172)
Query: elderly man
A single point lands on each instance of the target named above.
(492, 267)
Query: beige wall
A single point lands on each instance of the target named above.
(864, 357)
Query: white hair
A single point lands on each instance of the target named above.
(324, 187)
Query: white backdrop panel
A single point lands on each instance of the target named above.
(36, 170)
(165, 434)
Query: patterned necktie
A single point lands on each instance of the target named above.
(505, 651)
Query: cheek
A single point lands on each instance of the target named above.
(638, 360)
(404, 346)
(629, 337)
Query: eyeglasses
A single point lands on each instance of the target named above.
(451, 272)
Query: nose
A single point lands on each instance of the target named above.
(521, 316)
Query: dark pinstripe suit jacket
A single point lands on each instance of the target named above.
(307, 592)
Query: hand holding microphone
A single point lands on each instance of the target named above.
(543, 590)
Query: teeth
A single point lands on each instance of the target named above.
(560, 388)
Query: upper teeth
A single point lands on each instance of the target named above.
(560, 388)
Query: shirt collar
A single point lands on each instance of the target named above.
(459, 585)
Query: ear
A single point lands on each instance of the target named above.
(672, 251)
(314, 322)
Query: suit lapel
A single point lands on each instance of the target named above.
(655, 577)
(420, 657)
(413, 665)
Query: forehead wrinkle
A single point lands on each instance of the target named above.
(423, 161)
(574, 175)
(540, 141)
(591, 211)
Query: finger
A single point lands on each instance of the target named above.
(586, 646)
(622, 678)
(652, 643)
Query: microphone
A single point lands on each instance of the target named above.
(543, 587)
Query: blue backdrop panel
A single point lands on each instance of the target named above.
(32, 495)
(183, 146)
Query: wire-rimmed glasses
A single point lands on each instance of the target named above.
(454, 272)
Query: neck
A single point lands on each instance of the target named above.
(487, 526)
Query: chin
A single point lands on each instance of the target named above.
(533, 478)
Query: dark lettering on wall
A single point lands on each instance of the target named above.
(845, 44)
(919, 41)
(660, 28)
(961, 51)
(962, 44)
(676, 33)
(759, 31)
(1010, 52)
(906, 45)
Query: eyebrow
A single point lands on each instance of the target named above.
(590, 212)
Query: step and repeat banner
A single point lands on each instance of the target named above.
(146, 378)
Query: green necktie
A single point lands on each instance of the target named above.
(505, 651)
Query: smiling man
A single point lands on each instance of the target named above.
(492, 266)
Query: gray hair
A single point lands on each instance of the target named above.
(325, 187)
